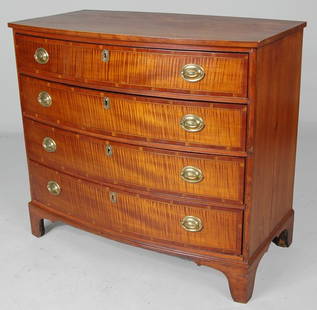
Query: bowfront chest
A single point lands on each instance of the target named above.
(176, 133)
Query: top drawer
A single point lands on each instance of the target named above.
(187, 72)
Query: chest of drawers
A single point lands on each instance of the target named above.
(176, 133)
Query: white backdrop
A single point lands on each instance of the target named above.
(70, 269)
(10, 119)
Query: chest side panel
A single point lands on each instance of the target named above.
(275, 135)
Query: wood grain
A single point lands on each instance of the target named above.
(155, 69)
(151, 169)
(162, 28)
(137, 217)
(276, 116)
(249, 100)
(136, 117)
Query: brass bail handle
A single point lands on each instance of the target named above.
(192, 73)
(44, 99)
(49, 145)
(192, 174)
(192, 223)
(192, 123)
(53, 188)
(41, 56)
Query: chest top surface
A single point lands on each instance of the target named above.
(164, 131)
(163, 27)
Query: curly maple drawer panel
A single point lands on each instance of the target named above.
(219, 178)
(191, 124)
(214, 73)
(138, 217)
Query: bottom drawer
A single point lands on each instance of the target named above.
(205, 228)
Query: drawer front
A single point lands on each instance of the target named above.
(138, 217)
(217, 178)
(153, 69)
(194, 124)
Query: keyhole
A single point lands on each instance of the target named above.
(105, 55)
(108, 150)
(106, 103)
(113, 197)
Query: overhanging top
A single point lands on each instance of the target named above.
(163, 28)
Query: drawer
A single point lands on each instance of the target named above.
(149, 119)
(218, 178)
(209, 73)
(135, 216)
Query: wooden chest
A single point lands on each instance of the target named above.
(176, 133)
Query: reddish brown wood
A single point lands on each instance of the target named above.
(140, 91)
(250, 148)
(249, 99)
(276, 115)
(240, 275)
(37, 223)
(83, 62)
(225, 124)
(284, 235)
(134, 216)
(99, 40)
(176, 146)
(173, 249)
(163, 28)
(241, 283)
(241, 278)
(147, 168)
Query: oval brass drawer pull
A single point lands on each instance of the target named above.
(192, 73)
(41, 56)
(49, 145)
(192, 123)
(53, 188)
(44, 99)
(192, 223)
(192, 174)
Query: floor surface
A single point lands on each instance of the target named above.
(72, 269)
